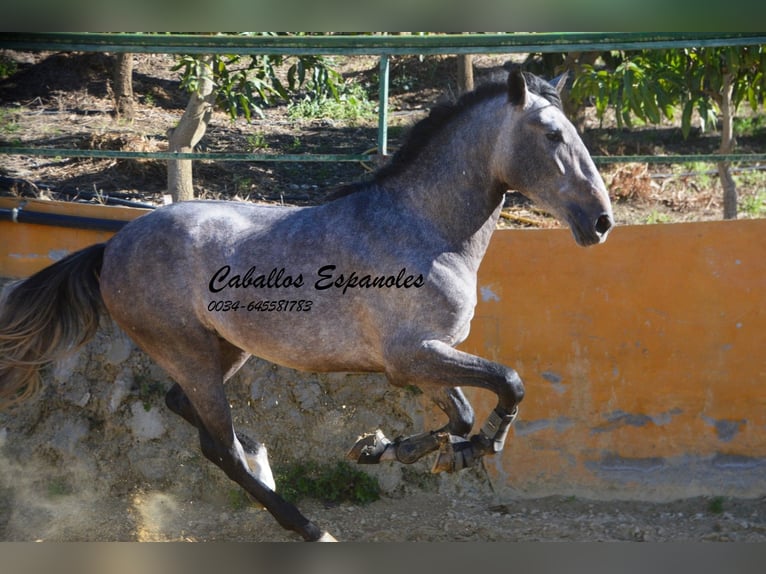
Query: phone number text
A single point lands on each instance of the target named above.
(272, 306)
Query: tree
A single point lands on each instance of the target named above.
(123, 86)
(192, 126)
(465, 73)
(652, 84)
(239, 84)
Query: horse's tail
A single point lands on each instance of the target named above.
(45, 317)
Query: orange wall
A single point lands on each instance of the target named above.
(644, 358)
(26, 248)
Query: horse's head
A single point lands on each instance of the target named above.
(542, 156)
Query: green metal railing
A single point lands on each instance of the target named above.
(383, 46)
(373, 44)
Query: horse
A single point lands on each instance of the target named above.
(381, 278)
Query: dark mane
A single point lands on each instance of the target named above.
(422, 132)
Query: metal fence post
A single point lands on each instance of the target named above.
(383, 106)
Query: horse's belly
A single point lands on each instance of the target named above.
(307, 343)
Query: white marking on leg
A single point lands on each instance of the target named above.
(259, 465)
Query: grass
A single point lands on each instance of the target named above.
(58, 487)
(8, 67)
(715, 506)
(702, 172)
(237, 499)
(705, 173)
(754, 205)
(8, 122)
(149, 392)
(656, 217)
(352, 106)
(334, 483)
(749, 125)
(295, 145)
(257, 141)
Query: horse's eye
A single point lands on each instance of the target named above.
(555, 136)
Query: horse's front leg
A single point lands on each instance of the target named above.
(436, 363)
(376, 447)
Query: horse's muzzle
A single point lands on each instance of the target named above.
(587, 231)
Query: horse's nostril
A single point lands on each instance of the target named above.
(603, 224)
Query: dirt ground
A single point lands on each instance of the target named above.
(64, 100)
(428, 517)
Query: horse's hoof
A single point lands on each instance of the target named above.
(369, 448)
(326, 537)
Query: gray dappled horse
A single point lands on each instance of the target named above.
(380, 279)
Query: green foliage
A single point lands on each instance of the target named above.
(751, 125)
(716, 505)
(295, 145)
(246, 83)
(149, 392)
(329, 483)
(237, 499)
(656, 217)
(649, 85)
(8, 122)
(349, 104)
(702, 171)
(59, 487)
(754, 205)
(8, 67)
(257, 141)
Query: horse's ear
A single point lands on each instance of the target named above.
(560, 81)
(517, 88)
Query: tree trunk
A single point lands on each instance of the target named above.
(189, 131)
(727, 145)
(465, 73)
(123, 87)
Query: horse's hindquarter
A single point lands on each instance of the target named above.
(157, 268)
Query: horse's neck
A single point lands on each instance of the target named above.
(451, 184)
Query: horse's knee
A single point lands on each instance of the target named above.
(461, 416)
(462, 426)
(457, 408)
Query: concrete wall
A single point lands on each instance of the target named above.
(643, 359)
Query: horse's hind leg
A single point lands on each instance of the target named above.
(199, 362)
(255, 452)
(232, 359)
